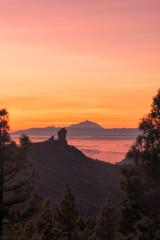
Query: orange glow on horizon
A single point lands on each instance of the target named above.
(63, 62)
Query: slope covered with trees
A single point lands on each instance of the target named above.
(91, 181)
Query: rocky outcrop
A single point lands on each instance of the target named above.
(62, 135)
(51, 139)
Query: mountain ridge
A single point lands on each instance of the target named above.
(91, 181)
(85, 128)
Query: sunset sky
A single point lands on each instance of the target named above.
(66, 61)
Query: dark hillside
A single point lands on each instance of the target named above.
(92, 181)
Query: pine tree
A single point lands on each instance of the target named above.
(65, 217)
(127, 218)
(106, 222)
(40, 227)
(17, 179)
(146, 150)
(45, 221)
(141, 182)
(86, 228)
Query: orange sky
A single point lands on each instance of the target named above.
(66, 61)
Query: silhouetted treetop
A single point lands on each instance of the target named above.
(141, 181)
(17, 180)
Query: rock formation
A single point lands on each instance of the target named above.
(62, 135)
(51, 139)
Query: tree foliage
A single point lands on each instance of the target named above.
(65, 217)
(106, 222)
(127, 217)
(86, 228)
(17, 180)
(41, 227)
(141, 181)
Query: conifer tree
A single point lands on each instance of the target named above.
(106, 222)
(86, 228)
(141, 181)
(65, 217)
(127, 218)
(41, 227)
(45, 222)
(17, 179)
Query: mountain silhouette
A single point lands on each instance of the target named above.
(86, 125)
(91, 181)
(84, 129)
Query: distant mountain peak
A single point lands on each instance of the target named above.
(85, 128)
(86, 125)
(88, 122)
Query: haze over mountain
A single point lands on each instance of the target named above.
(84, 129)
(91, 181)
